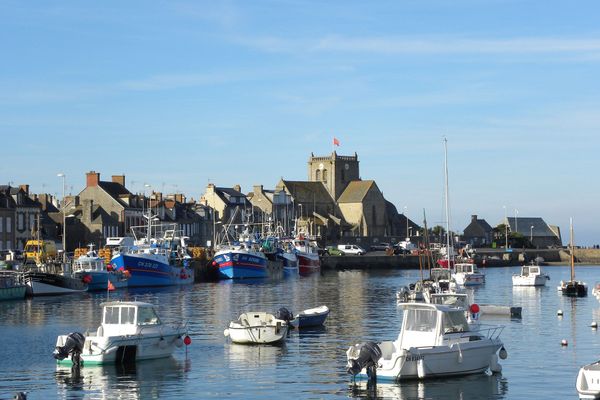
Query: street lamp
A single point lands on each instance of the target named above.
(516, 220)
(531, 234)
(505, 229)
(64, 230)
(406, 220)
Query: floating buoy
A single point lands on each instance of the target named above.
(594, 325)
(559, 313)
(503, 354)
(187, 340)
(564, 342)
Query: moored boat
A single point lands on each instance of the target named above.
(311, 317)
(308, 256)
(92, 266)
(257, 328)
(53, 279)
(11, 286)
(130, 331)
(241, 261)
(531, 275)
(588, 381)
(466, 274)
(434, 341)
(573, 287)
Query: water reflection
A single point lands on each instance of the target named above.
(134, 381)
(479, 386)
(253, 356)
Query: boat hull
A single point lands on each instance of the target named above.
(265, 334)
(111, 350)
(13, 293)
(469, 279)
(241, 265)
(308, 263)
(46, 284)
(99, 280)
(537, 280)
(573, 289)
(310, 318)
(588, 381)
(146, 270)
(290, 264)
(438, 361)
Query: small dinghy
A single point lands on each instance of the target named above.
(130, 331)
(257, 328)
(588, 381)
(310, 318)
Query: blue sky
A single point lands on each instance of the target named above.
(177, 93)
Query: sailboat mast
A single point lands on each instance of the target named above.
(446, 201)
(572, 251)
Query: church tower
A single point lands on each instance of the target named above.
(335, 171)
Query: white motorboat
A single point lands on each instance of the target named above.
(130, 331)
(588, 381)
(466, 274)
(596, 290)
(257, 327)
(435, 341)
(531, 275)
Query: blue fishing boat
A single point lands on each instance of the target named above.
(91, 268)
(241, 261)
(158, 256)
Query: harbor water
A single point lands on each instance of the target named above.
(310, 364)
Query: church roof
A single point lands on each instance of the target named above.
(356, 191)
(308, 192)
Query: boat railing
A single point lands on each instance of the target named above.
(490, 331)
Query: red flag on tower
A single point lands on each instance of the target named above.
(336, 142)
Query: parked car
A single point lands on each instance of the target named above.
(334, 251)
(351, 249)
(380, 246)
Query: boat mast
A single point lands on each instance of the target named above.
(446, 201)
(572, 251)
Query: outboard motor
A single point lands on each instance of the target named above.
(73, 346)
(284, 314)
(364, 355)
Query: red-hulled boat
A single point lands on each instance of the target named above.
(308, 256)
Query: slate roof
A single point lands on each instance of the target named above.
(25, 200)
(524, 224)
(226, 194)
(478, 227)
(307, 192)
(356, 191)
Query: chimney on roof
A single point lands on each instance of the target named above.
(258, 188)
(25, 188)
(237, 188)
(92, 178)
(473, 218)
(119, 179)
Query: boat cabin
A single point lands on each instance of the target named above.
(127, 318)
(450, 299)
(466, 268)
(89, 263)
(426, 325)
(527, 270)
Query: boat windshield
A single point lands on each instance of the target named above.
(455, 321)
(147, 316)
(420, 320)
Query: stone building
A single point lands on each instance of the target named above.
(27, 213)
(8, 211)
(115, 200)
(537, 230)
(478, 233)
(362, 205)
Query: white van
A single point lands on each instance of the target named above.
(351, 249)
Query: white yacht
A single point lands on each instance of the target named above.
(435, 341)
(130, 331)
(588, 381)
(466, 274)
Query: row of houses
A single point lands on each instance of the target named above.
(334, 204)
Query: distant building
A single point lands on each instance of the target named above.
(537, 230)
(27, 212)
(230, 206)
(478, 233)
(8, 211)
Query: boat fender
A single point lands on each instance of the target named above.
(226, 332)
(421, 368)
(495, 367)
(503, 354)
(179, 342)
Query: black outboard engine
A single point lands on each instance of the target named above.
(364, 355)
(73, 346)
(284, 314)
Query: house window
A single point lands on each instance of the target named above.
(374, 215)
(1, 224)
(318, 175)
(21, 222)
(8, 224)
(343, 176)
(324, 176)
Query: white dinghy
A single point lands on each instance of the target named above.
(435, 341)
(130, 331)
(588, 381)
(257, 328)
